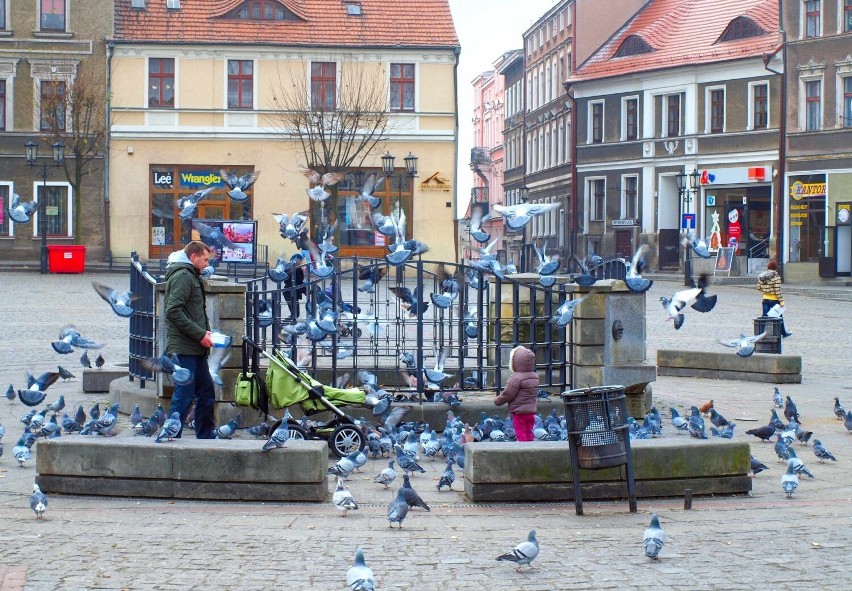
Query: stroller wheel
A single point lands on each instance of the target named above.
(296, 432)
(345, 440)
(358, 333)
(344, 331)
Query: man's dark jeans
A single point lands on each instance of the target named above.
(201, 390)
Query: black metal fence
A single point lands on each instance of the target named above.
(143, 321)
(374, 330)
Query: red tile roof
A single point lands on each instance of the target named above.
(325, 23)
(681, 33)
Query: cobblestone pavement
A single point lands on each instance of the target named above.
(743, 542)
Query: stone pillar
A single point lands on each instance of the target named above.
(609, 342)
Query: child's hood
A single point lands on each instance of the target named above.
(521, 359)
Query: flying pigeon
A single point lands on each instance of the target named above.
(698, 245)
(169, 365)
(20, 211)
(120, 301)
(436, 375)
(63, 373)
(343, 499)
(518, 216)
(565, 312)
(371, 185)
(212, 236)
(170, 429)
(524, 553)
(410, 300)
(238, 185)
(634, 281)
(360, 577)
(397, 510)
(694, 297)
(654, 538)
(35, 395)
(319, 182)
(477, 216)
(821, 452)
(370, 276)
(790, 480)
(547, 265)
(290, 226)
(188, 203)
(744, 345)
(449, 290)
(70, 338)
(38, 502)
(84, 360)
(448, 476)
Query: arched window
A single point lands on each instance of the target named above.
(262, 10)
(633, 45)
(741, 27)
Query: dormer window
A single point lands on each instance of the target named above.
(262, 10)
(353, 9)
(633, 45)
(173, 4)
(741, 27)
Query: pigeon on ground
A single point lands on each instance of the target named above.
(170, 428)
(69, 425)
(28, 418)
(119, 301)
(386, 476)
(717, 419)
(694, 297)
(775, 422)
(524, 553)
(821, 452)
(798, 464)
(239, 184)
(777, 398)
(634, 281)
(227, 430)
(100, 361)
(35, 395)
(69, 339)
(565, 312)
(803, 436)
(745, 345)
(84, 360)
(80, 415)
(343, 499)
(839, 411)
(398, 509)
(169, 365)
(21, 452)
(726, 432)
(103, 425)
(781, 449)
(360, 577)
(136, 416)
(757, 466)
(448, 476)
(406, 462)
(38, 502)
(518, 216)
(847, 422)
(790, 411)
(654, 538)
(279, 437)
(790, 480)
(37, 421)
(189, 203)
(64, 374)
(10, 393)
(20, 211)
(678, 421)
(695, 424)
(259, 430)
(95, 411)
(410, 495)
(344, 466)
(58, 405)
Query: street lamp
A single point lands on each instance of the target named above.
(686, 189)
(411, 169)
(32, 161)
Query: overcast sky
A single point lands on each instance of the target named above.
(486, 29)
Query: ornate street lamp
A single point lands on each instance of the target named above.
(686, 189)
(32, 161)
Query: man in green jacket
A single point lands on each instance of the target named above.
(188, 334)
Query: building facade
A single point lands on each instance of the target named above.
(818, 181)
(511, 68)
(682, 88)
(50, 53)
(197, 90)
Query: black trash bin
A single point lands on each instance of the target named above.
(771, 343)
(598, 435)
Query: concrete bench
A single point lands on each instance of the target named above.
(773, 369)
(183, 469)
(541, 470)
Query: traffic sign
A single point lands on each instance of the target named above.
(687, 221)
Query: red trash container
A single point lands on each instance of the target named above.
(66, 259)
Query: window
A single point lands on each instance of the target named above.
(262, 10)
(52, 111)
(812, 18)
(161, 82)
(323, 86)
(630, 130)
(629, 200)
(741, 27)
(402, 87)
(597, 121)
(53, 15)
(813, 107)
(597, 199)
(717, 110)
(847, 16)
(57, 201)
(760, 106)
(633, 45)
(847, 101)
(672, 115)
(2, 103)
(5, 198)
(2, 15)
(240, 84)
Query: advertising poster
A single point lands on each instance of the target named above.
(233, 240)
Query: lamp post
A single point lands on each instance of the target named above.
(32, 161)
(686, 189)
(411, 169)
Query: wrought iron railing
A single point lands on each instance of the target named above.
(760, 250)
(143, 335)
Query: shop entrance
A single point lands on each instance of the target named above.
(740, 217)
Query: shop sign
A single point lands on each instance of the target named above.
(844, 214)
(194, 179)
(736, 175)
(51, 210)
(625, 222)
(158, 235)
(436, 183)
(800, 190)
(163, 179)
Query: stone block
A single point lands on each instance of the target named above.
(128, 394)
(589, 331)
(629, 311)
(98, 380)
(225, 411)
(639, 400)
(587, 376)
(254, 491)
(632, 377)
(106, 457)
(594, 306)
(231, 306)
(758, 367)
(225, 393)
(113, 487)
(593, 355)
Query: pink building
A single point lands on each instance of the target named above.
(486, 157)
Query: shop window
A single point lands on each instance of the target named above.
(53, 15)
(402, 87)
(5, 199)
(161, 82)
(58, 210)
(240, 84)
(323, 86)
(806, 217)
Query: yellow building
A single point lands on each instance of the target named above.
(263, 86)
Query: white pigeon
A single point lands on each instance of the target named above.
(524, 553)
(744, 345)
(634, 280)
(386, 476)
(360, 577)
(694, 297)
(790, 480)
(518, 216)
(654, 538)
(343, 499)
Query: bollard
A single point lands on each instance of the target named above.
(687, 498)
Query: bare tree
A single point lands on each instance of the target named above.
(75, 113)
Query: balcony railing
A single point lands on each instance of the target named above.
(479, 195)
(480, 155)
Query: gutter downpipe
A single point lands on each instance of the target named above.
(107, 239)
(457, 237)
(778, 195)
